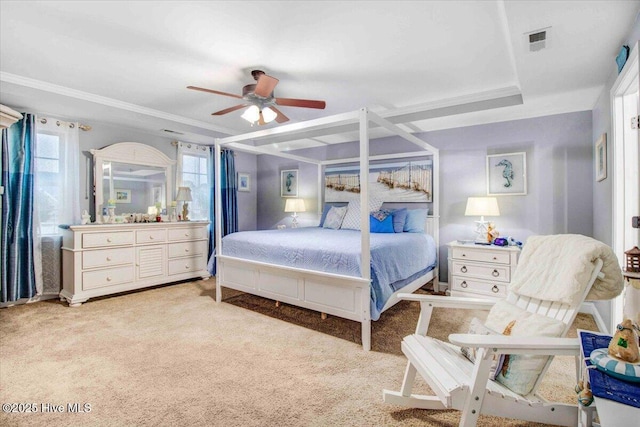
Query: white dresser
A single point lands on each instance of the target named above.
(102, 259)
(481, 271)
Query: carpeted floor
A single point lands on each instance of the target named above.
(172, 356)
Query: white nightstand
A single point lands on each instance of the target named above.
(481, 271)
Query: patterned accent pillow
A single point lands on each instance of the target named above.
(352, 218)
(520, 372)
(381, 214)
(334, 217)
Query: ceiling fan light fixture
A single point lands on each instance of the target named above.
(268, 115)
(252, 114)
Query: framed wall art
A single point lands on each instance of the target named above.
(507, 174)
(123, 196)
(402, 181)
(289, 183)
(601, 157)
(244, 181)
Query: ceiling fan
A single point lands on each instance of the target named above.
(261, 101)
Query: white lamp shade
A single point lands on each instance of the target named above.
(184, 194)
(268, 115)
(294, 205)
(482, 206)
(252, 114)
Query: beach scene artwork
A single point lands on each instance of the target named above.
(399, 181)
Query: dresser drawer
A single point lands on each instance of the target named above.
(107, 277)
(489, 288)
(97, 240)
(482, 255)
(499, 273)
(177, 250)
(151, 236)
(107, 257)
(187, 234)
(185, 265)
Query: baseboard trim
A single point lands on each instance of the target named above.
(590, 308)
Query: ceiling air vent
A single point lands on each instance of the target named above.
(537, 40)
(172, 131)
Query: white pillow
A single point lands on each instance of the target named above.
(334, 217)
(520, 372)
(352, 218)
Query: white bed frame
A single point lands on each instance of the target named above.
(343, 296)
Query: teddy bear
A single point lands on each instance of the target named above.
(624, 344)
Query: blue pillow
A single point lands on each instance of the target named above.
(325, 210)
(384, 226)
(415, 220)
(399, 218)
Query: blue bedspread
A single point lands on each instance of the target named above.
(396, 258)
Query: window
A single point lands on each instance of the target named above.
(48, 191)
(194, 172)
(55, 176)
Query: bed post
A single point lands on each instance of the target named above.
(218, 219)
(365, 248)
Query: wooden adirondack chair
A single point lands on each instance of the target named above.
(459, 384)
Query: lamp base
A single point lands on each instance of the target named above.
(294, 223)
(482, 228)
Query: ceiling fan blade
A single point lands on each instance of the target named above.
(306, 103)
(280, 118)
(230, 109)
(265, 85)
(217, 92)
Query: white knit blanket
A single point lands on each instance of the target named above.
(558, 268)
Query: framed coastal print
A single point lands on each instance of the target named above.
(507, 174)
(123, 196)
(601, 157)
(289, 183)
(397, 181)
(244, 181)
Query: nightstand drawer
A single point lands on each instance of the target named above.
(489, 288)
(481, 255)
(499, 273)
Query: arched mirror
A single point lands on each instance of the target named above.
(133, 176)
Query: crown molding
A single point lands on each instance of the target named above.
(109, 102)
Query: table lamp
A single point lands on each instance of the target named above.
(184, 196)
(481, 206)
(295, 206)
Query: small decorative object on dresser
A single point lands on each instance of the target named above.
(481, 271)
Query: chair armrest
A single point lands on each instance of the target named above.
(502, 344)
(449, 302)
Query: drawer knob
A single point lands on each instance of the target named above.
(495, 273)
(464, 269)
(150, 237)
(186, 250)
(108, 239)
(495, 258)
(109, 279)
(108, 258)
(495, 289)
(464, 255)
(187, 267)
(186, 234)
(464, 284)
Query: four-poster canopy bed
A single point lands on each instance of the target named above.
(332, 292)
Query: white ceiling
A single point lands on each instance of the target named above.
(129, 62)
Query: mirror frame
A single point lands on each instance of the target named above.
(131, 153)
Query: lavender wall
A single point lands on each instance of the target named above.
(559, 173)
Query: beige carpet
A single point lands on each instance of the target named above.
(172, 356)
